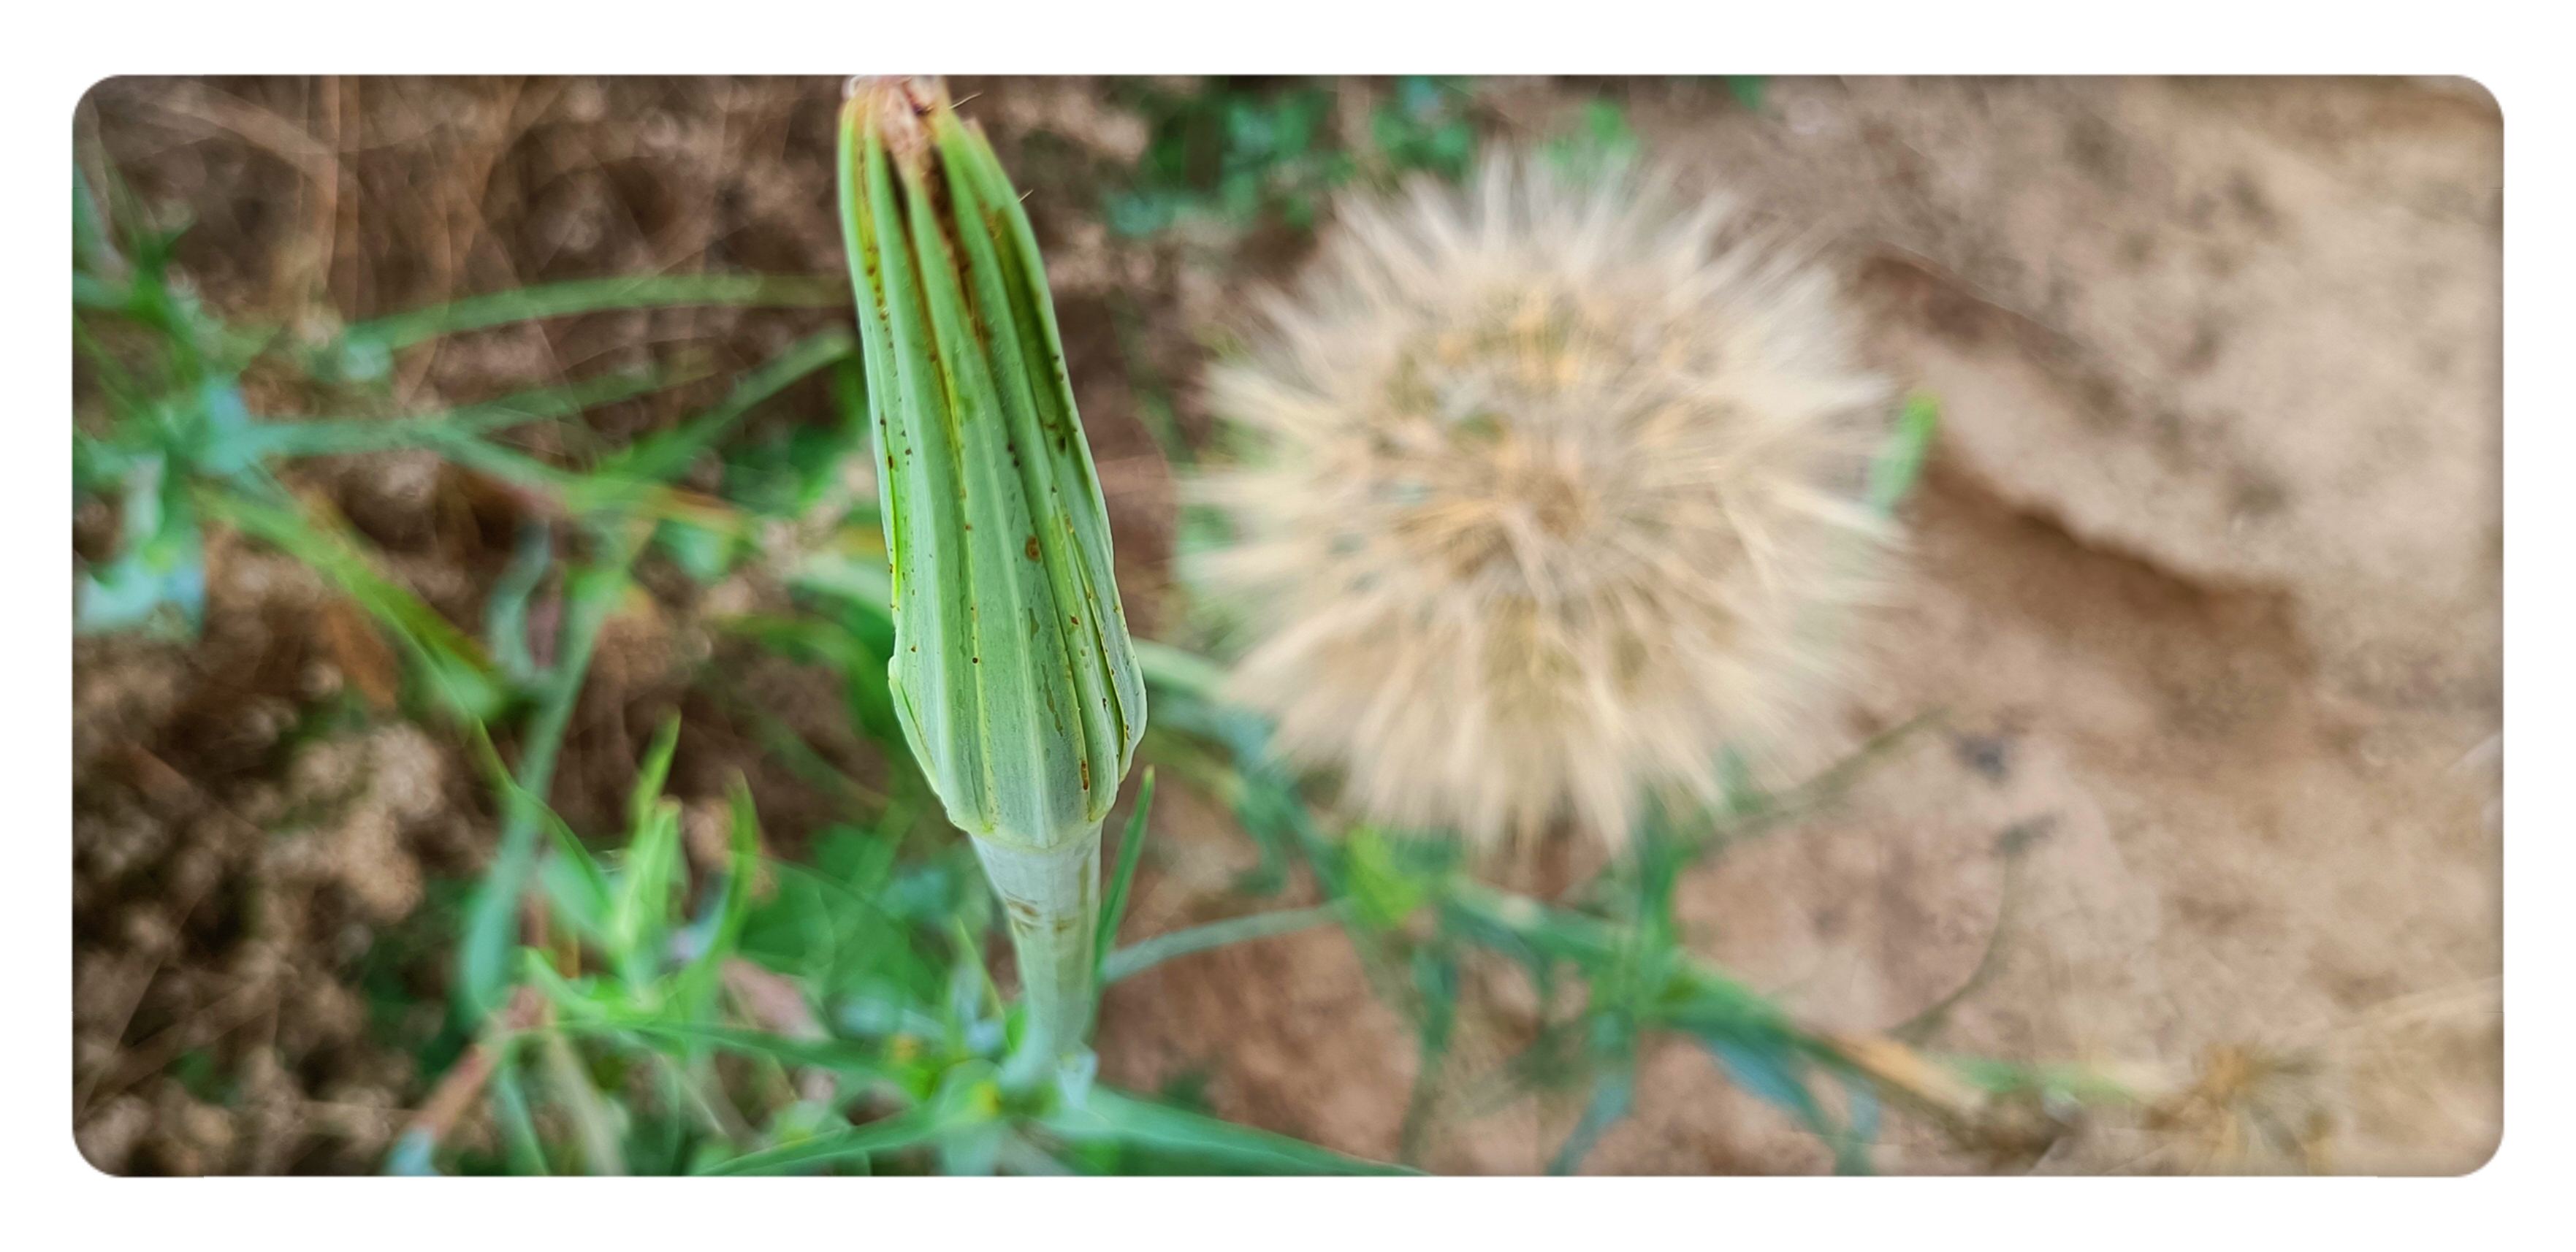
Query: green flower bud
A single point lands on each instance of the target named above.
(1013, 675)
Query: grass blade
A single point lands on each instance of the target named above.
(1435, 980)
(1131, 852)
(573, 878)
(341, 436)
(446, 657)
(491, 913)
(1145, 954)
(912, 1126)
(1115, 1116)
(595, 295)
(1771, 1074)
(647, 793)
(697, 981)
(526, 1154)
(663, 456)
(505, 611)
(642, 912)
(1611, 1100)
(844, 1060)
(570, 1083)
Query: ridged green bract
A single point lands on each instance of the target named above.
(1013, 674)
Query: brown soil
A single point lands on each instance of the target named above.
(2206, 590)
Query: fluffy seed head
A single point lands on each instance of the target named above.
(1553, 500)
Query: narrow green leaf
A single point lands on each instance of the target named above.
(1435, 980)
(580, 888)
(697, 982)
(601, 1151)
(1136, 958)
(1851, 1146)
(579, 1002)
(915, 1125)
(520, 1146)
(579, 906)
(1118, 1117)
(645, 879)
(1770, 1073)
(1611, 1100)
(491, 913)
(342, 436)
(1182, 671)
(665, 455)
(646, 795)
(1131, 853)
(442, 654)
(595, 295)
(521, 470)
(849, 1061)
(505, 611)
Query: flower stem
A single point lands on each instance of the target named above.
(1051, 897)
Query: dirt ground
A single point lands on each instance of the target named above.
(2205, 590)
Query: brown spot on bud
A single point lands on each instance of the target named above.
(1031, 547)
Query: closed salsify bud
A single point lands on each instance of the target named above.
(1013, 675)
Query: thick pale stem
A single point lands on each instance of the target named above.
(1052, 899)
